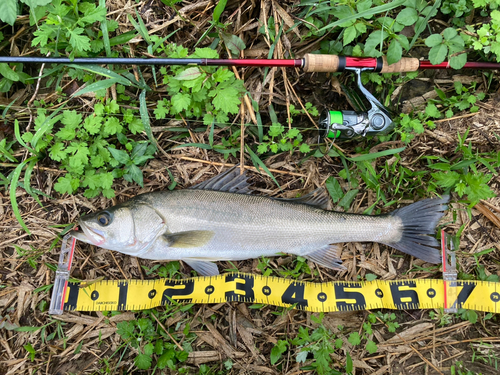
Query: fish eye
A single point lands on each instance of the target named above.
(104, 219)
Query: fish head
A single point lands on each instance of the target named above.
(126, 228)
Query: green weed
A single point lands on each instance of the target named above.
(463, 176)
(157, 348)
(209, 92)
(459, 369)
(87, 149)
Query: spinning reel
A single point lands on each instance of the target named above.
(362, 122)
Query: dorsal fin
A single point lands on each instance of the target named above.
(230, 181)
(317, 198)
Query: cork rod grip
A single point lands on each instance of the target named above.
(321, 63)
(406, 64)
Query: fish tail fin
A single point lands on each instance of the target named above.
(418, 221)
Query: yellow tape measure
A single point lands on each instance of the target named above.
(111, 295)
(317, 297)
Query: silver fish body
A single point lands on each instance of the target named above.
(199, 226)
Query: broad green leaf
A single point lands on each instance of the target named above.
(446, 179)
(364, 5)
(78, 42)
(432, 111)
(119, 155)
(349, 366)
(302, 356)
(227, 100)
(57, 151)
(354, 338)
(458, 62)
(371, 347)
(7, 72)
(93, 14)
(449, 33)
(143, 361)
(407, 16)
(205, 53)
(346, 201)
(219, 8)
(334, 189)
(403, 40)
(136, 174)
(233, 42)
(8, 11)
(349, 35)
(181, 102)
(188, 74)
(395, 52)
(433, 40)
(438, 53)
(373, 43)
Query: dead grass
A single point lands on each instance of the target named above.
(232, 330)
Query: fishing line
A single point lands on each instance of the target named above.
(178, 127)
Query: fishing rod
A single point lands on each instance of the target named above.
(310, 62)
(371, 120)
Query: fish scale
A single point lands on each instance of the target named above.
(197, 226)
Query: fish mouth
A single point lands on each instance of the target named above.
(89, 235)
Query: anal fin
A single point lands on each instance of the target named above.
(202, 267)
(327, 256)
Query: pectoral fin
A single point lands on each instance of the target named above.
(202, 267)
(192, 238)
(327, 256)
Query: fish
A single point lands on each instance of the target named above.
(220, 219)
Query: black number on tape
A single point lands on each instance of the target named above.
(465, 293)
(122, 296)
(294, 294)
(169, 293)
(398, 295)
(342, 294)
(73, 290)
(246, 287)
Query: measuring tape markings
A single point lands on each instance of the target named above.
(112, 295)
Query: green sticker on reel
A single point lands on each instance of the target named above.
(336, 117)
